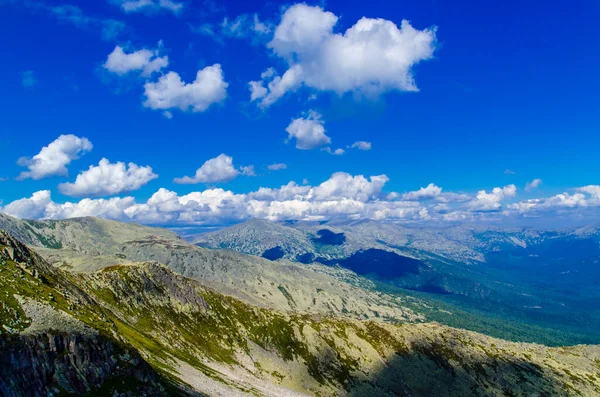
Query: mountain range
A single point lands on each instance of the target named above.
(543, 277)
(107, 308)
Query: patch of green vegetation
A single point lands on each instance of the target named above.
(288, 296)
(380, 338)
(48, 242)
(499, 325)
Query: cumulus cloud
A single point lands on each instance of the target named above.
(276, 167)
(107, 179)
(149, 5)
(344, 185)
(33, 207)
(215, 170)
(533, 184)
(485, 201)
(28, 79)
(342, 196)
(593, 191)
(429, 192)
(309, 132)
(53, 159)
(509, 172)
(41, 206)
(583, 197)
(371, 57)
(144, 61)
(361, 145)
(170, 92)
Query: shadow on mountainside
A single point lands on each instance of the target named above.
(436, 371)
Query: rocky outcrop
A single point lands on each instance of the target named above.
(46, 364)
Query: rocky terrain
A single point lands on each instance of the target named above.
(168, 334)
(456, 243)
(546, 278)
(73, 245)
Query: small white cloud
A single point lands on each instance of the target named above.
(53, 159)
(492, 201)
(171, 92)
(424, 193)
(247, 170)
(168, 114)
(28, 79)
(369, 58)
(242, 27)
(361, 145)
(107, 179)
(533, 184)
(144, 61)
(215, 170)
(336, 152)
(149, 5)
(277, 167)
(257, 90)
(509, 172)
(309, 132)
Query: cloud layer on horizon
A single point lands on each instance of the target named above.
(342, 196)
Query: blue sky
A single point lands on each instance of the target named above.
(505, 86)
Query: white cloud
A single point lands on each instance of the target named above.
(242, 27)
(215, 170)
(429, 192)
(342, 196)
(144, 61)
(344, 185)
(309, 132)
(361, 145)
(257, 90)
(492, 201)
(509, 172)
(336, 152)
(371, 57)
(593, 191)
(247, 170)
(53, 159)
(533, 184)
(277, 167)
(108, 179)
(28, 79)
(33, 207)
(171, 92)
(149, 5)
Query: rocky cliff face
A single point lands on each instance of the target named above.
(44, 349)
(49, 363)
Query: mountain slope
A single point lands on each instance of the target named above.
(545, 279)
(278, 285)
(214, 344)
